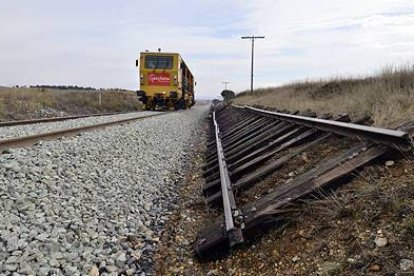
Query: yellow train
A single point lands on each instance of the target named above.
(165, 81)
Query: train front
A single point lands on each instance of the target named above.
(158, 73)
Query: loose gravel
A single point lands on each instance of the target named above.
(24, 130)
(94, 203)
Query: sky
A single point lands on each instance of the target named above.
(95, 42)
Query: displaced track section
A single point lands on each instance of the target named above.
(32, 139)
(250, 144)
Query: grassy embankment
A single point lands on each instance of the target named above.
(387, 97)
(366, 226)
(24, 103)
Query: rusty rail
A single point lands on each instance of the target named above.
(53, 119)
(32, 139)
(389, 137)
(229, 204)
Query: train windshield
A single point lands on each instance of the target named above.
(159, 62)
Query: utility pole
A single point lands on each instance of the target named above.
(100, 99)
(225, 84)
(252, 38)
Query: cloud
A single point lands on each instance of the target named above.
(311, 39)
(95, 43)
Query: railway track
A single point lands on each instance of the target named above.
(53, 119)
(249, 144)
(100, 200)
(51, 135)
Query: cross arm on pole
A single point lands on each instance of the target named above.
(252, 37)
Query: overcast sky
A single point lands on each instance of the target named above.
(95, 42)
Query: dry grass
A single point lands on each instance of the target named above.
(387, 97)
(22, 103)
(379, 200)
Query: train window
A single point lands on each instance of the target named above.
(159, 62)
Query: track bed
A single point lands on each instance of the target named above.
(277, 203)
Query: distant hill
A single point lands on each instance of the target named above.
(22, 102)
(63, 87)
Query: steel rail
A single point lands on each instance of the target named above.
(228, 197)
(53, 119)
(229, 203)
(32, 139)
(389, 137)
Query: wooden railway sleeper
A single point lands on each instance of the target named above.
(260, 122)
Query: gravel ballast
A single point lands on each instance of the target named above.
(25, 130)
(95, 203)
